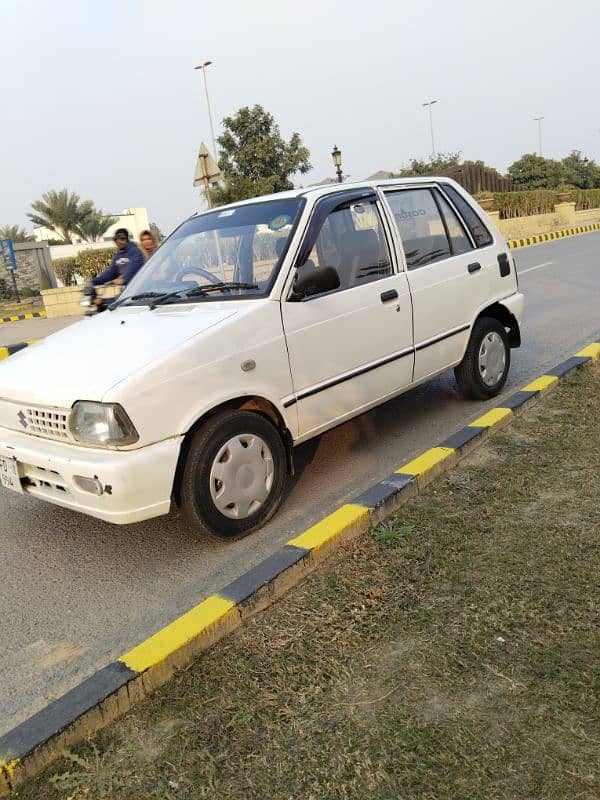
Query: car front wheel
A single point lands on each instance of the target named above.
(234, 474)
(483, 371)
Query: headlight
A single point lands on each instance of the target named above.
(101, 424)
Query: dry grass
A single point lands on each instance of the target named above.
(452, 654)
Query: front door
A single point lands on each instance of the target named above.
(350, 347)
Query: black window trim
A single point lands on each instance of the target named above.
(442, 186)
(466, 231)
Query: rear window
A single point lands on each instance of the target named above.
(479, 232)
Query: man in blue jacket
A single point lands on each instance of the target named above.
(125, 262)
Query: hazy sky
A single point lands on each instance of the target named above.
(101, 97)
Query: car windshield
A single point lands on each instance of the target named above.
(225, 254)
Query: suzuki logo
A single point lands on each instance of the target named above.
(22, 419)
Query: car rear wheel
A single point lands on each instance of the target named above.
(234, 474)
(483, 371)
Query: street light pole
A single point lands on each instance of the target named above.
(203, 67)
(429, 104)
(539, 122)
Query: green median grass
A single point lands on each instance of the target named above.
(452, 653)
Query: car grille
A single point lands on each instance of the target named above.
(51, 423)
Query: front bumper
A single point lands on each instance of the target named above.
(136, 484)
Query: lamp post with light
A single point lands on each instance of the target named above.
(203, 67)
(336, 155)
(428, 105)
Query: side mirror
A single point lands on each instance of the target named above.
(312, 280)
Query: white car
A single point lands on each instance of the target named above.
(253, 328)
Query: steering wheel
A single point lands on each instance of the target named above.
(198, 271)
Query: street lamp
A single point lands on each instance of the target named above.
(212, 130)
(428, 105)
(539, 122)
(337, 162)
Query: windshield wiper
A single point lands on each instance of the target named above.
(199, 291)
(141, 296)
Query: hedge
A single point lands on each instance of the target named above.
(87, 264)
(539, 201)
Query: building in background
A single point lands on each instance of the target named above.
(135, 220)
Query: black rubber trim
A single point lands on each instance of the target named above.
(252, 581)
(461, 438)
(336, 381)
(378, 495)
(62, 712)
(442, 337)
(568, 366)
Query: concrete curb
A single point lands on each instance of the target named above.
(18, 317)
(10, 349)
(114, 689)
(549, 237)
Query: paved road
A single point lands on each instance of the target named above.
(75, 592)
(25, 329)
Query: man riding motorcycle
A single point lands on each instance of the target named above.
(125, 263)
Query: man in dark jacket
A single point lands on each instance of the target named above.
(125, 263)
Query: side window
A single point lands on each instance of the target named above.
(421, 228)
(353, 241)
(481, 235)
(459, 240)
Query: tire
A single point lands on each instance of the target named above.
(483, 371)
(234, 474)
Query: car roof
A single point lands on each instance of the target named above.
(332, 188)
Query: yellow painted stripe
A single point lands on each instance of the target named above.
(176, 635)
(427, 461)
(3, 353)
(592, 350)
(28, 316)
(330, 527)
(492, 417)
(9, 767)
(540, 384)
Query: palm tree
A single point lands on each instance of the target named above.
(95, 225)
(16, 233)
(61, 212)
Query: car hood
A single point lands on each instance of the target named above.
(85, 360)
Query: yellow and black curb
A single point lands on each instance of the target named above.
(10, 349)
(17, 317)
(549, 237)
(114, 689)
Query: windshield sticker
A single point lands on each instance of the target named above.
(280, 222)
(228, 213)
(359, 209)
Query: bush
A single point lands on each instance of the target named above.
(524, 204)
(88, 264)
(586, 199)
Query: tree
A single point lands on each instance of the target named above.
(95, 225)
(535, 172)
(16, 233)
(61, 212)
(580, 172)
(255, 159)
(433, 166)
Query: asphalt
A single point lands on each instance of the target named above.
(76, 593)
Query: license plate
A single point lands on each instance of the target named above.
(9, 474)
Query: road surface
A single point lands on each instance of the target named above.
(76, 592)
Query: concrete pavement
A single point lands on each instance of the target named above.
(77, 592)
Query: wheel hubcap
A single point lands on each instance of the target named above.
(492, 358)
(241, 476)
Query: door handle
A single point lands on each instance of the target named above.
(391, 294)
(474, 267)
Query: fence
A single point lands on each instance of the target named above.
(477, 178)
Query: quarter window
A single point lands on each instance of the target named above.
(353, 241)
(421, 228)
(481, 235)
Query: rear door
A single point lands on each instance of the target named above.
(448, 281)
(350, 347)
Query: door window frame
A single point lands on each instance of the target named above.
(324, 206)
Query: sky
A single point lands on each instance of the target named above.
(102, 97)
